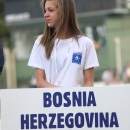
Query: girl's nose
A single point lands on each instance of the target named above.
(45, 14)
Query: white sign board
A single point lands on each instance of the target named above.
(100, 108)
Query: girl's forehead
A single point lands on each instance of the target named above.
(52, 2)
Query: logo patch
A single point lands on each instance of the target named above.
(77, 57)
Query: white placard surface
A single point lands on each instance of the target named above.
(100, 108)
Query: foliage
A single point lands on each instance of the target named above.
(4, 30)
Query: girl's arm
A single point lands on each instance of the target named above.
(89, 77)
(41, 79)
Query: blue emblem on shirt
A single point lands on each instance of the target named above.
(77, 57)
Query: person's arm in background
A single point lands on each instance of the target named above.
(1, 58)
(89, 77)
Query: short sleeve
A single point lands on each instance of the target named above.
(36, 59)
(91, 59)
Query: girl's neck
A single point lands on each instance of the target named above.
(66, 35)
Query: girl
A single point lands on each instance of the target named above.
(62, 56)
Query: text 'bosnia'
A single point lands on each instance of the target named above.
(68, 99)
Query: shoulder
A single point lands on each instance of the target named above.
(38, 39)
(85, 40)
(37, 44)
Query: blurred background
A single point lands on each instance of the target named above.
(107, 22)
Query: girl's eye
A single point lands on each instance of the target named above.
(51, 10)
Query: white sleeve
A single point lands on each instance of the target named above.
(36, 59)
(91, 59)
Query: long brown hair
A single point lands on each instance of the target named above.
(67, 21)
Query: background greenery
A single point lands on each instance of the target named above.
(4, 30)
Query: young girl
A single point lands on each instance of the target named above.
(62, 56)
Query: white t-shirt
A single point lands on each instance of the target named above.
(79, 56)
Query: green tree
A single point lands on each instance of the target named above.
(4, 30)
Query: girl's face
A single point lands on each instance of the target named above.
(52, 15)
